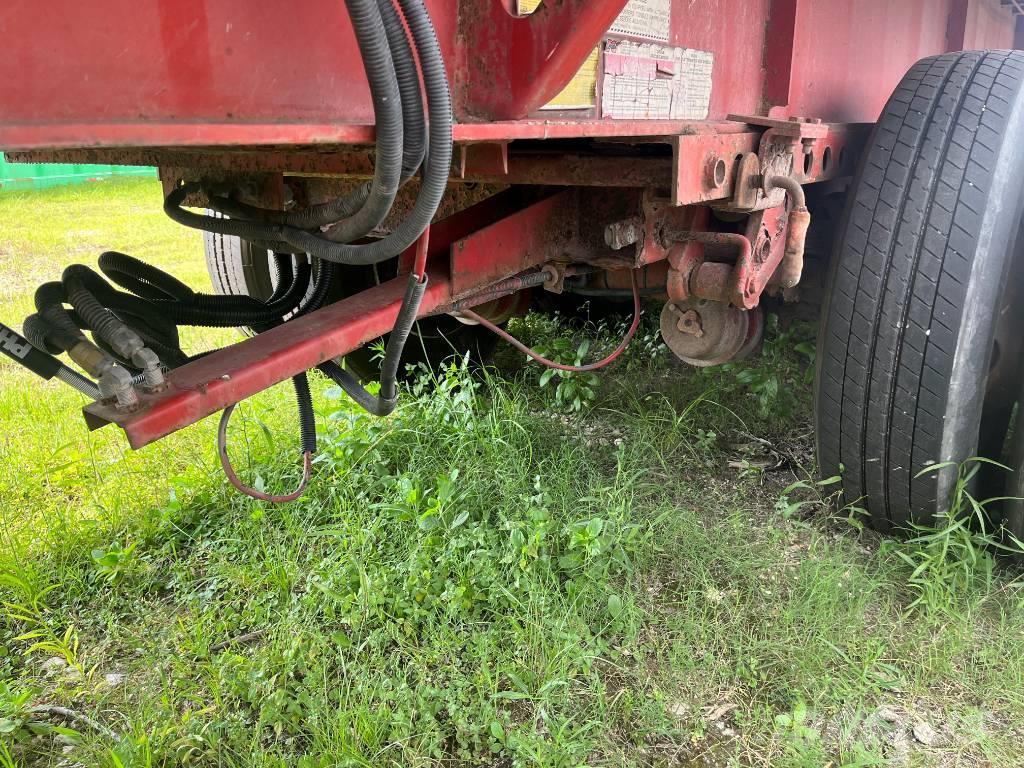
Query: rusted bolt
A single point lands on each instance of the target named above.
(623, 233)
(690, 322)
(763, 251)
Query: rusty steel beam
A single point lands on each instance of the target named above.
(475, 165)
(538, 233)
(705, 165)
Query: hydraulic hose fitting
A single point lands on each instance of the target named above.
(91, 358)
(126, 342)
(117, 384)
(152, 371)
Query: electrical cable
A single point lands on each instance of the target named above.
(229, 471)
(559, 366)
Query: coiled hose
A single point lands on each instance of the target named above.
(336, 245)
(413, 128)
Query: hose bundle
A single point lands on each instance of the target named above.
(403, 145)
(134, 310)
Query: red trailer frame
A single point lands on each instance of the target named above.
(277, 102)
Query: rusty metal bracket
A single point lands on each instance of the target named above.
(705, 164)
(489, 159)
(804, 148)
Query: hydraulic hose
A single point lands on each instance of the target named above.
(407, 73)
(197, 309)
(141, 315)
(438, 163)
(49, 301)
(106, 327)
(336, 245)
(28, 354)
(385, 403)
(142, 279)
(387, 107)
(358, 214)
(414, 142)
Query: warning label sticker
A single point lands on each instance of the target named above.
(645, 81)
(650, 19)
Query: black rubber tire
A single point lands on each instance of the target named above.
(238, 267)
(232, 264)
(917, 277)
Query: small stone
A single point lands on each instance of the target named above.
(716, 713)
(886, 714)
(925, 734)
(113, 679)
(53, 666)
(678, 709)
(72, 675)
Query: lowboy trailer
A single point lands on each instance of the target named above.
(369, 168)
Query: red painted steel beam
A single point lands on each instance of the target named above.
(511, 66)
(780, 47)
(234, 373)
(538, 233)
(26, 140)
(230, 375)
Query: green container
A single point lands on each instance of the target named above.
(26, 176)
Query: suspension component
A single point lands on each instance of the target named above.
(703, 333)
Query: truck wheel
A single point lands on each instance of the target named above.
(237, 267)
(909, 325)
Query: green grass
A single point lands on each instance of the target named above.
(487, 577)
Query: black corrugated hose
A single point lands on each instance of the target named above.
(385, 403)
(364, 210)
(275, 227)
